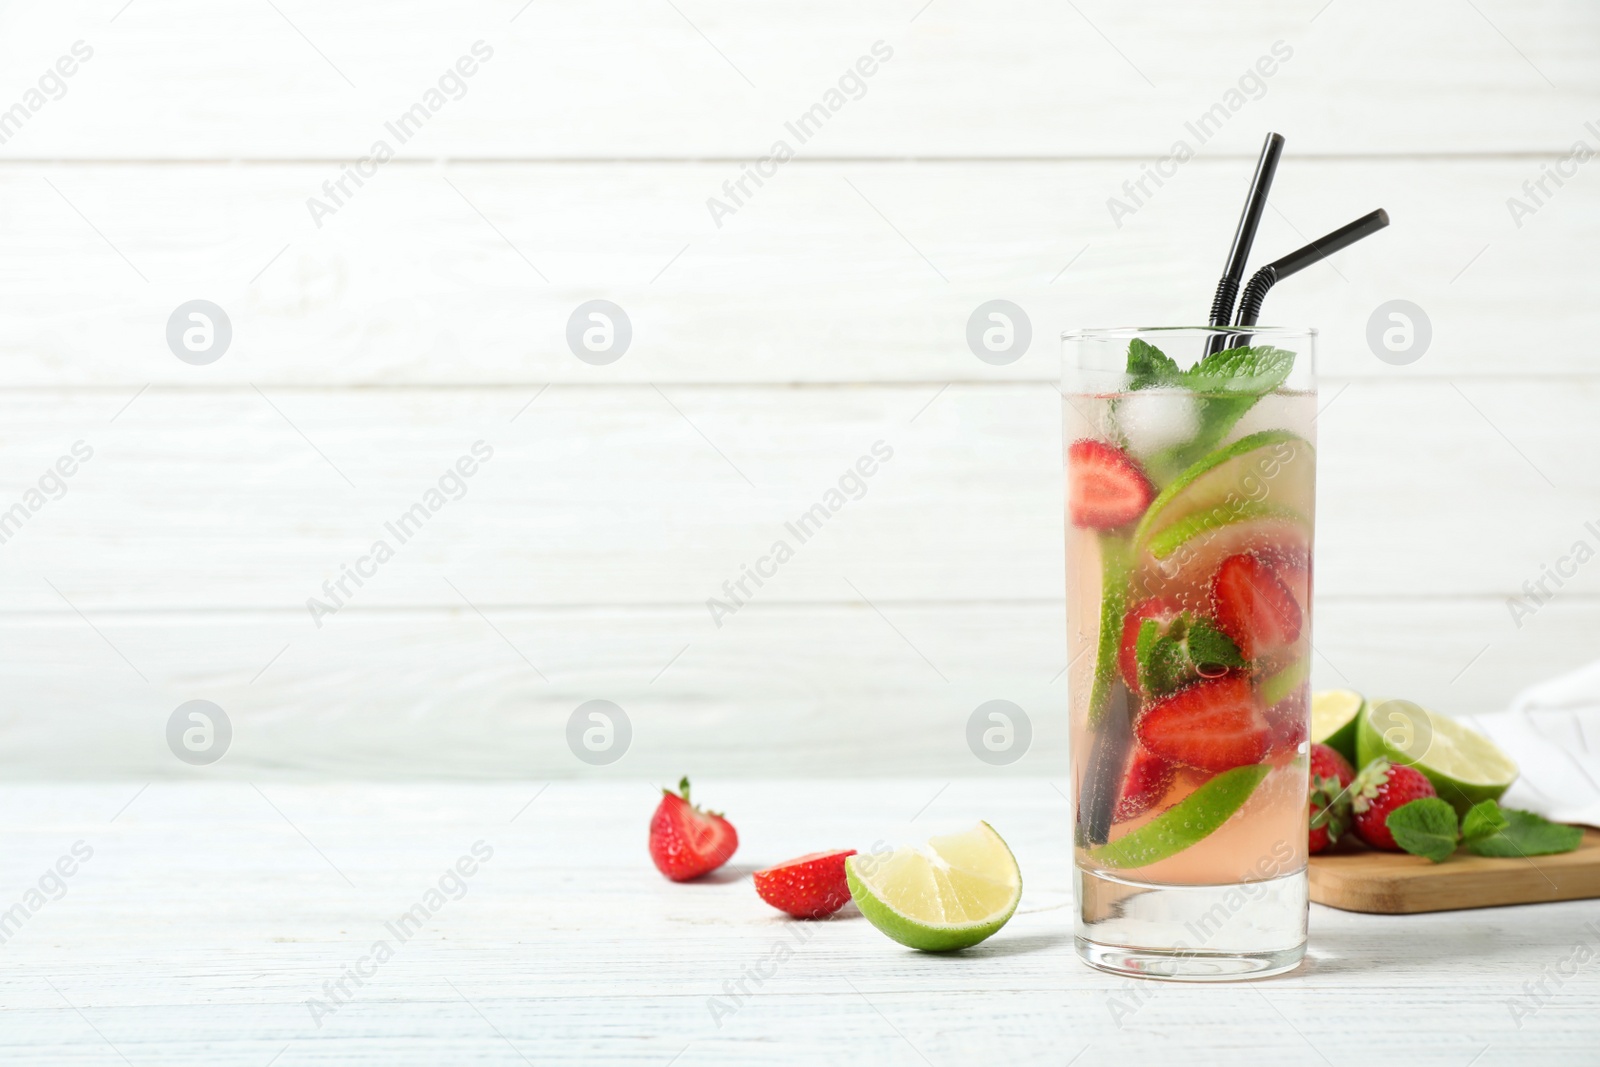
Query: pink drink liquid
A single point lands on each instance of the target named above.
(1258, 502)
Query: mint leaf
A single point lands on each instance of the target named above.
(1149, 367)
(1252, 370)
(1425, 827)
(1228, 384)
(1207, 644)
(1527, 834)
(1171, 658)
(1484, 820)
(1163, 662)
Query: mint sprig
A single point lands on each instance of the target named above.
(1427, 827)
(1170, 658)
(1227, 384)
(1210, 646)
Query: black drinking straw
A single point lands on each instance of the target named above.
(1299, 260)
(1244, 237)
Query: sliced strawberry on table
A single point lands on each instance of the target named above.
(1254, 607)
(686, 842)
(1214, 725)
(1147, 781)
(1331, 775)
(1107, 487)
(1161, 609)
(1379, 789)
(809, 887)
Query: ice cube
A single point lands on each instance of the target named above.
(1154, 419)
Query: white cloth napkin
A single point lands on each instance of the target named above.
(1553, 732)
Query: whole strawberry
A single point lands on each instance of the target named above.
(1331, 775)
(686, 842)
(813, 886)
(1379, 789)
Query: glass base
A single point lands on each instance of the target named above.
(1207, 933)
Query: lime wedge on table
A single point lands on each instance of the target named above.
(1334, 713)
(1463, 765)
(1264, 471)
(1193, 818)
(952, 893)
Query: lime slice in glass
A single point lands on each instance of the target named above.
(1278, 687)
(1243, 497)
(1183, 533)
(1188, 821)
(1463, 765)
(947, 895)
(1334, 713)
(1270, 468)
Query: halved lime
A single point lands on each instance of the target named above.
(1463, 765)
(1188, 821)
(1334, 713)
(1270, 467)
(949, 894)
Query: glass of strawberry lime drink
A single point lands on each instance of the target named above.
(1190, 490)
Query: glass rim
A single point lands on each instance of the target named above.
(1109, 333)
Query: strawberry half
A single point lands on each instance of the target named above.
(1331, 775)
(1147, 781)
(1107, 487)
(1380, 788)
(1254, 607)
(1294, 571)
(1214, 725)
(1158, 608)
(1289, 723)
(810, 887)
(686, 842)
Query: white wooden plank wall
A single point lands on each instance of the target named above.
(826, 313)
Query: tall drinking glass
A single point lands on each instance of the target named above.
(1190, 497)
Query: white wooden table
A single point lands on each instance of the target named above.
(210, 912)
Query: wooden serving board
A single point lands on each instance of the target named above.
(1393, 883)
